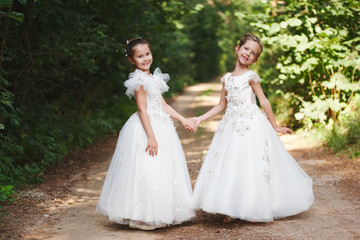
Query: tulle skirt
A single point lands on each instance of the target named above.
(251, 176)
(155, 190)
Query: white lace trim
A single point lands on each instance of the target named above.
(151, 84)
(252, 76)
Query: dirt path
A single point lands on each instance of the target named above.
(63, 207)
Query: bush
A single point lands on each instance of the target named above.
(342, 135)
(62, 68)
(6, 196)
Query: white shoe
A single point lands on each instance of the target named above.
(141, 225)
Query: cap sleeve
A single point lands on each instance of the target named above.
(253, 77)
(225, 77)
(163, 78)
(136, 79)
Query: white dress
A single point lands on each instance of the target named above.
(155, 190)
(247, 172)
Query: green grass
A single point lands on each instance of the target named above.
(342, 137)
(207, 92)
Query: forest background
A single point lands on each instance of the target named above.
(62, 68)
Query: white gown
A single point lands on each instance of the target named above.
(247, 172)
(155, 190)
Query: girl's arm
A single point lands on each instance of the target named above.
(188, 124)
(265, 104)
(216, 109)
(140, 97)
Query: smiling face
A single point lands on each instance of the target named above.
(142, 57)
(248, 52)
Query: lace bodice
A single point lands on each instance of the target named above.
(241, 100)
(154, 86)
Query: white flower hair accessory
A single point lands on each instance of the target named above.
(129, 41)
(132, 39)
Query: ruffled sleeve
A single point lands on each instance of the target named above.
(253, 77)
(225, 77)
(136, 79)
(163, 78)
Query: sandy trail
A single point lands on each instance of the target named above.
(335, 213)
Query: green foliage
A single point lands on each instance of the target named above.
(61, 82)
(6, 196)
(343, 135)
(312, 53)
(203, 40)
(207, 92)
(7, 4)
(62, 68)
(235, 23)
(6, 193)
(319, 61)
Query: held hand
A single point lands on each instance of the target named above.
(152, 146)
(283, 130)
(195, 122)
(189, 124)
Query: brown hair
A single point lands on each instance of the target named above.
(251, 37)
(131, 43)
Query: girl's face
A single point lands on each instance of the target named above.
(248, 53)
(142, 57)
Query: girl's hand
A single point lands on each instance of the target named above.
(195, 122)
(152, 146)
(188, 124)
(283, 130)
